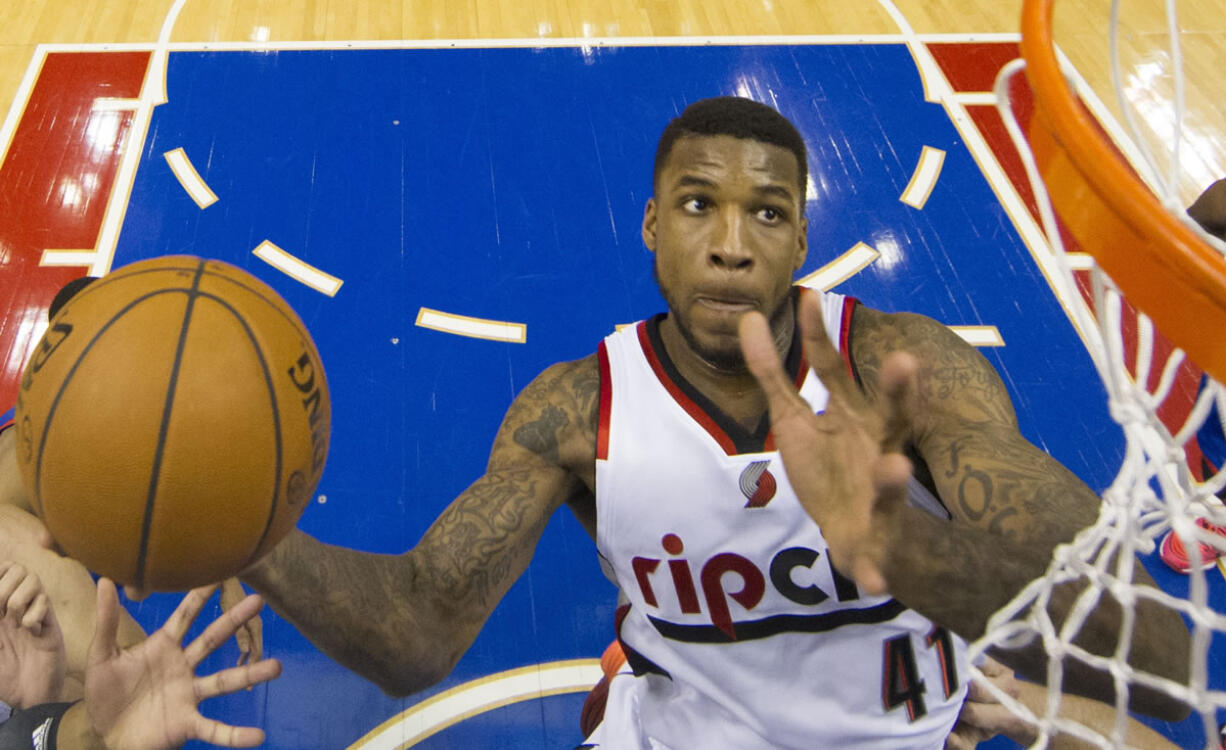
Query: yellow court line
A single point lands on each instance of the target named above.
(842, 268)
(449, 708)
(925, 177)
(477, 328)
(299, 270)
(185, 172)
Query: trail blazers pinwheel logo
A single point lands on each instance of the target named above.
(758, 484)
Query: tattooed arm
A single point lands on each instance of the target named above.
(1011, 503)
(403, 621)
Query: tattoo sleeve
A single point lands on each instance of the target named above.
(1011, 504)
(404, 620)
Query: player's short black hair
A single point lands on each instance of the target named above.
(739, 118)
(67, 292)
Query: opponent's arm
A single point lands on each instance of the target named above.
(983, 717)
(1012, 504)
(403, 621)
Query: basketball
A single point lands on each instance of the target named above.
(172, 423)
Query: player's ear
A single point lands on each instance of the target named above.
(802, 243)
(649, 224)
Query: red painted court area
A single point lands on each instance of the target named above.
(55, 182)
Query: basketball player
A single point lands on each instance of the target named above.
(744, 624)
(1209, 210)
(141, 698)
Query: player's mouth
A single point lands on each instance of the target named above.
(727, 304)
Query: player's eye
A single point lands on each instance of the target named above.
(695, 204)
(771, 215)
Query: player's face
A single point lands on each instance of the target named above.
(727, 228)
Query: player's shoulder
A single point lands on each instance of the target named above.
(875, 333)
(555, 415)
(573, 385)
(953, 379)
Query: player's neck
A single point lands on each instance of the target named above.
(733, 390)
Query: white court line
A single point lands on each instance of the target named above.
(189, 178)
(1080, 261)
(975, 98)
(20, 99)
(979, 335)
(472, 698)
(841, 268)
(299, 270)
(925, 177)
(114, 104)
(540, 42)
(477, 328)
(153, 93)
(67, 258)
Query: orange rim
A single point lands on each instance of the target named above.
(1160, 264)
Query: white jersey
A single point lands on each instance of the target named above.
(739, 632)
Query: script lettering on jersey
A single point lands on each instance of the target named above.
(728, 577)
(302, 374)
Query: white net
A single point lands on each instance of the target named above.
(1161, 403)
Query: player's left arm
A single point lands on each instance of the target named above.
(1011, 504)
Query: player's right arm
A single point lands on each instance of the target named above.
(403, 621)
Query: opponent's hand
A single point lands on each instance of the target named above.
(844, 463)
(1209, 210)
(983, 717)
(250, 637)
(32, 656)
(145, 698)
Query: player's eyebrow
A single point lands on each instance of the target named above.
(778, 190)
(689, 180)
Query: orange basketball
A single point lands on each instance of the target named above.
(173, 423)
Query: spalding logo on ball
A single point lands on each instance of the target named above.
(173, 423)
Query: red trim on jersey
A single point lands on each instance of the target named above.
(849, 303)
(802, 372)
(606, 403)
(619, 617)
(694, 410)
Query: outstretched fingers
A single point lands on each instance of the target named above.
(216, 733)
(823, 357)
(106, 623)
(897, 383)
(185, 614)
(220, 630)
(235, 679)
(762, 359)
(890, 475)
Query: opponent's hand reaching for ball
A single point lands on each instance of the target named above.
(844, 463)
(146, 697)
(32, 655)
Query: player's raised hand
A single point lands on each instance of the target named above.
(843, 463)
(146, 697)
(32, 656)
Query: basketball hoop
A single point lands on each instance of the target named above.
(1161, 263)
(1157, 288)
